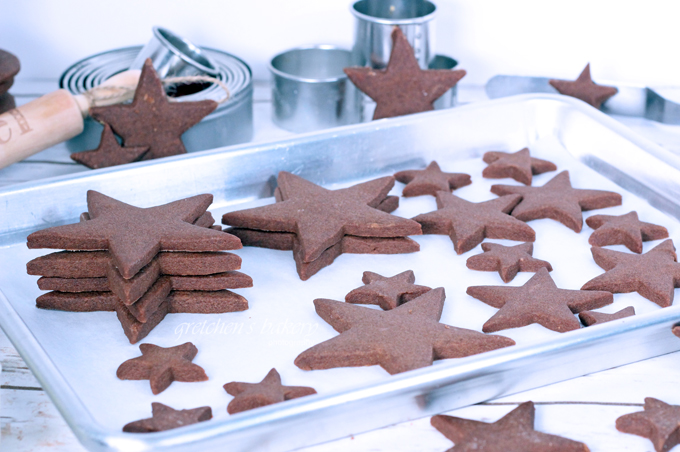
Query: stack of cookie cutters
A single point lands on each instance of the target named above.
(311, 92)
(174, 56)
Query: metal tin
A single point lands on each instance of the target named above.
(231, 123)
(174, 56)
(374, 21)
(74, 372)
(449, 98)
(310, 90)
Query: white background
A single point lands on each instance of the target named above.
(625, 41)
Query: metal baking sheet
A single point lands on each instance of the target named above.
(75, 355)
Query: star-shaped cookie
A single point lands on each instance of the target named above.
(514, 432)
(585, 89)
(161, 366)
(625, 230)
(557, 200)
(589, 318)
(386, 292)
(404, 338)
(659, 422)
(654, 275)
(166, 418)
(520, 166)
(321, 217)
(9, 67)
(109, 152)
(135, 235)
(248, 396)
(151, 119)
(402, 87)
(507, 260)
(468, 223)
(430, 180)
(537, 301)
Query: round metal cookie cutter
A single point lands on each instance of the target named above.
(231, 123)
(374, 21)
(174, 56)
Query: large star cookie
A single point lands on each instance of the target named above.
(386, 292)
(135, 235)
(625, 230)
(248, 396)
(321, 217)
(166, 418)
(507, 260)
(557, 200)
(585, 89)
(659, 422)
(520, 166)
(405, 338)
(161, 366)
(430, 180)
(151, 119)
(468, 223)
(514, 432)
(654, 275)
(402, 87)
(9, 67)
(109, 152)
(537, 301)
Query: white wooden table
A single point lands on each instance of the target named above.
(583, 409)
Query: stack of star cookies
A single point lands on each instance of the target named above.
(141, 263)
(318, 224)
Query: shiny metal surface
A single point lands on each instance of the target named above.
(231, 123)
(346, 154)
(449, 98)
(311, 92)
(629, 101)
(374, 21)
(174, 56)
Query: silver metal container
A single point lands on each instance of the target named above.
(78, 370)
(374, 21)
(174, 56)
(310, 90)
(449, 98)
(231, 123)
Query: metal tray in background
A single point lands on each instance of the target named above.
(242, 173)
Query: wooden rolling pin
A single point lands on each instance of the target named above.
(57, 117)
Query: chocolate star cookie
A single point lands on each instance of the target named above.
(388, 293)
(519, 166)
(589, 318)
(468, 223)
(402, 87)
(404, 338)
(109, 152)
(659, 422)
(248, 396)
(430, 180)
(135, 235)
(151, 119)
(507, 260)
(161, 366)
(9, 67)
(166, 418)
(537, 301)
(585, 89)
(321, 217)
(514, 432)
(557, 200)
(6, 102)
(654, 275)
(625, 230)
